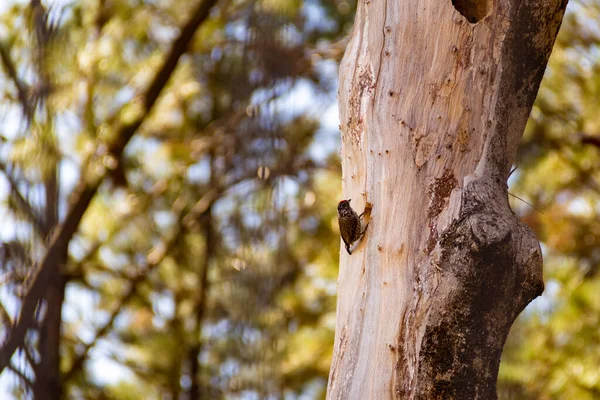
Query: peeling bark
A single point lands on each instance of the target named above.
(434, 97)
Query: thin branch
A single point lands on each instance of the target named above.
(87, 189)
(526, 202)
(24, 205)
(9, 66)
(21, 375)
(4, 316)
(29, 357)
(203, 213)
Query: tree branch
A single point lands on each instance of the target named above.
(86, 189)
(21, 375)
(24, 205)
(9, 66)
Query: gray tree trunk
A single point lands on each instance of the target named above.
(434, 97)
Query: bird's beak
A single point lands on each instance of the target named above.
(349, 200)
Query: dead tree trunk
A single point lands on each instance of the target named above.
(434, 97)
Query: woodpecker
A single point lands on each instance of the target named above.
(350, 224)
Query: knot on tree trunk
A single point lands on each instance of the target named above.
(490, 269)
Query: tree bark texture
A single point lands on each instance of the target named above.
(434, 97)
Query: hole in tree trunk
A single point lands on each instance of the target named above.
(473, 10)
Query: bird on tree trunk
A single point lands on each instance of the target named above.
(350, 223)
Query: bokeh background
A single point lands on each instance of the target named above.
(206, 265)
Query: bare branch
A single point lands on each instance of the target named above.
(21, 376)
(29, 357)
(24, 205)
(9, 66)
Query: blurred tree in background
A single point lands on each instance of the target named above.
(553, 351)
(205, 263)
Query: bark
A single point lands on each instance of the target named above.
(433, 102)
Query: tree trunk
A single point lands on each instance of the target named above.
(207, 225)
(433, 102)
(48, 383)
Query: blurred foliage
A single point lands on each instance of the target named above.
(205, 266)
(553, 351)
